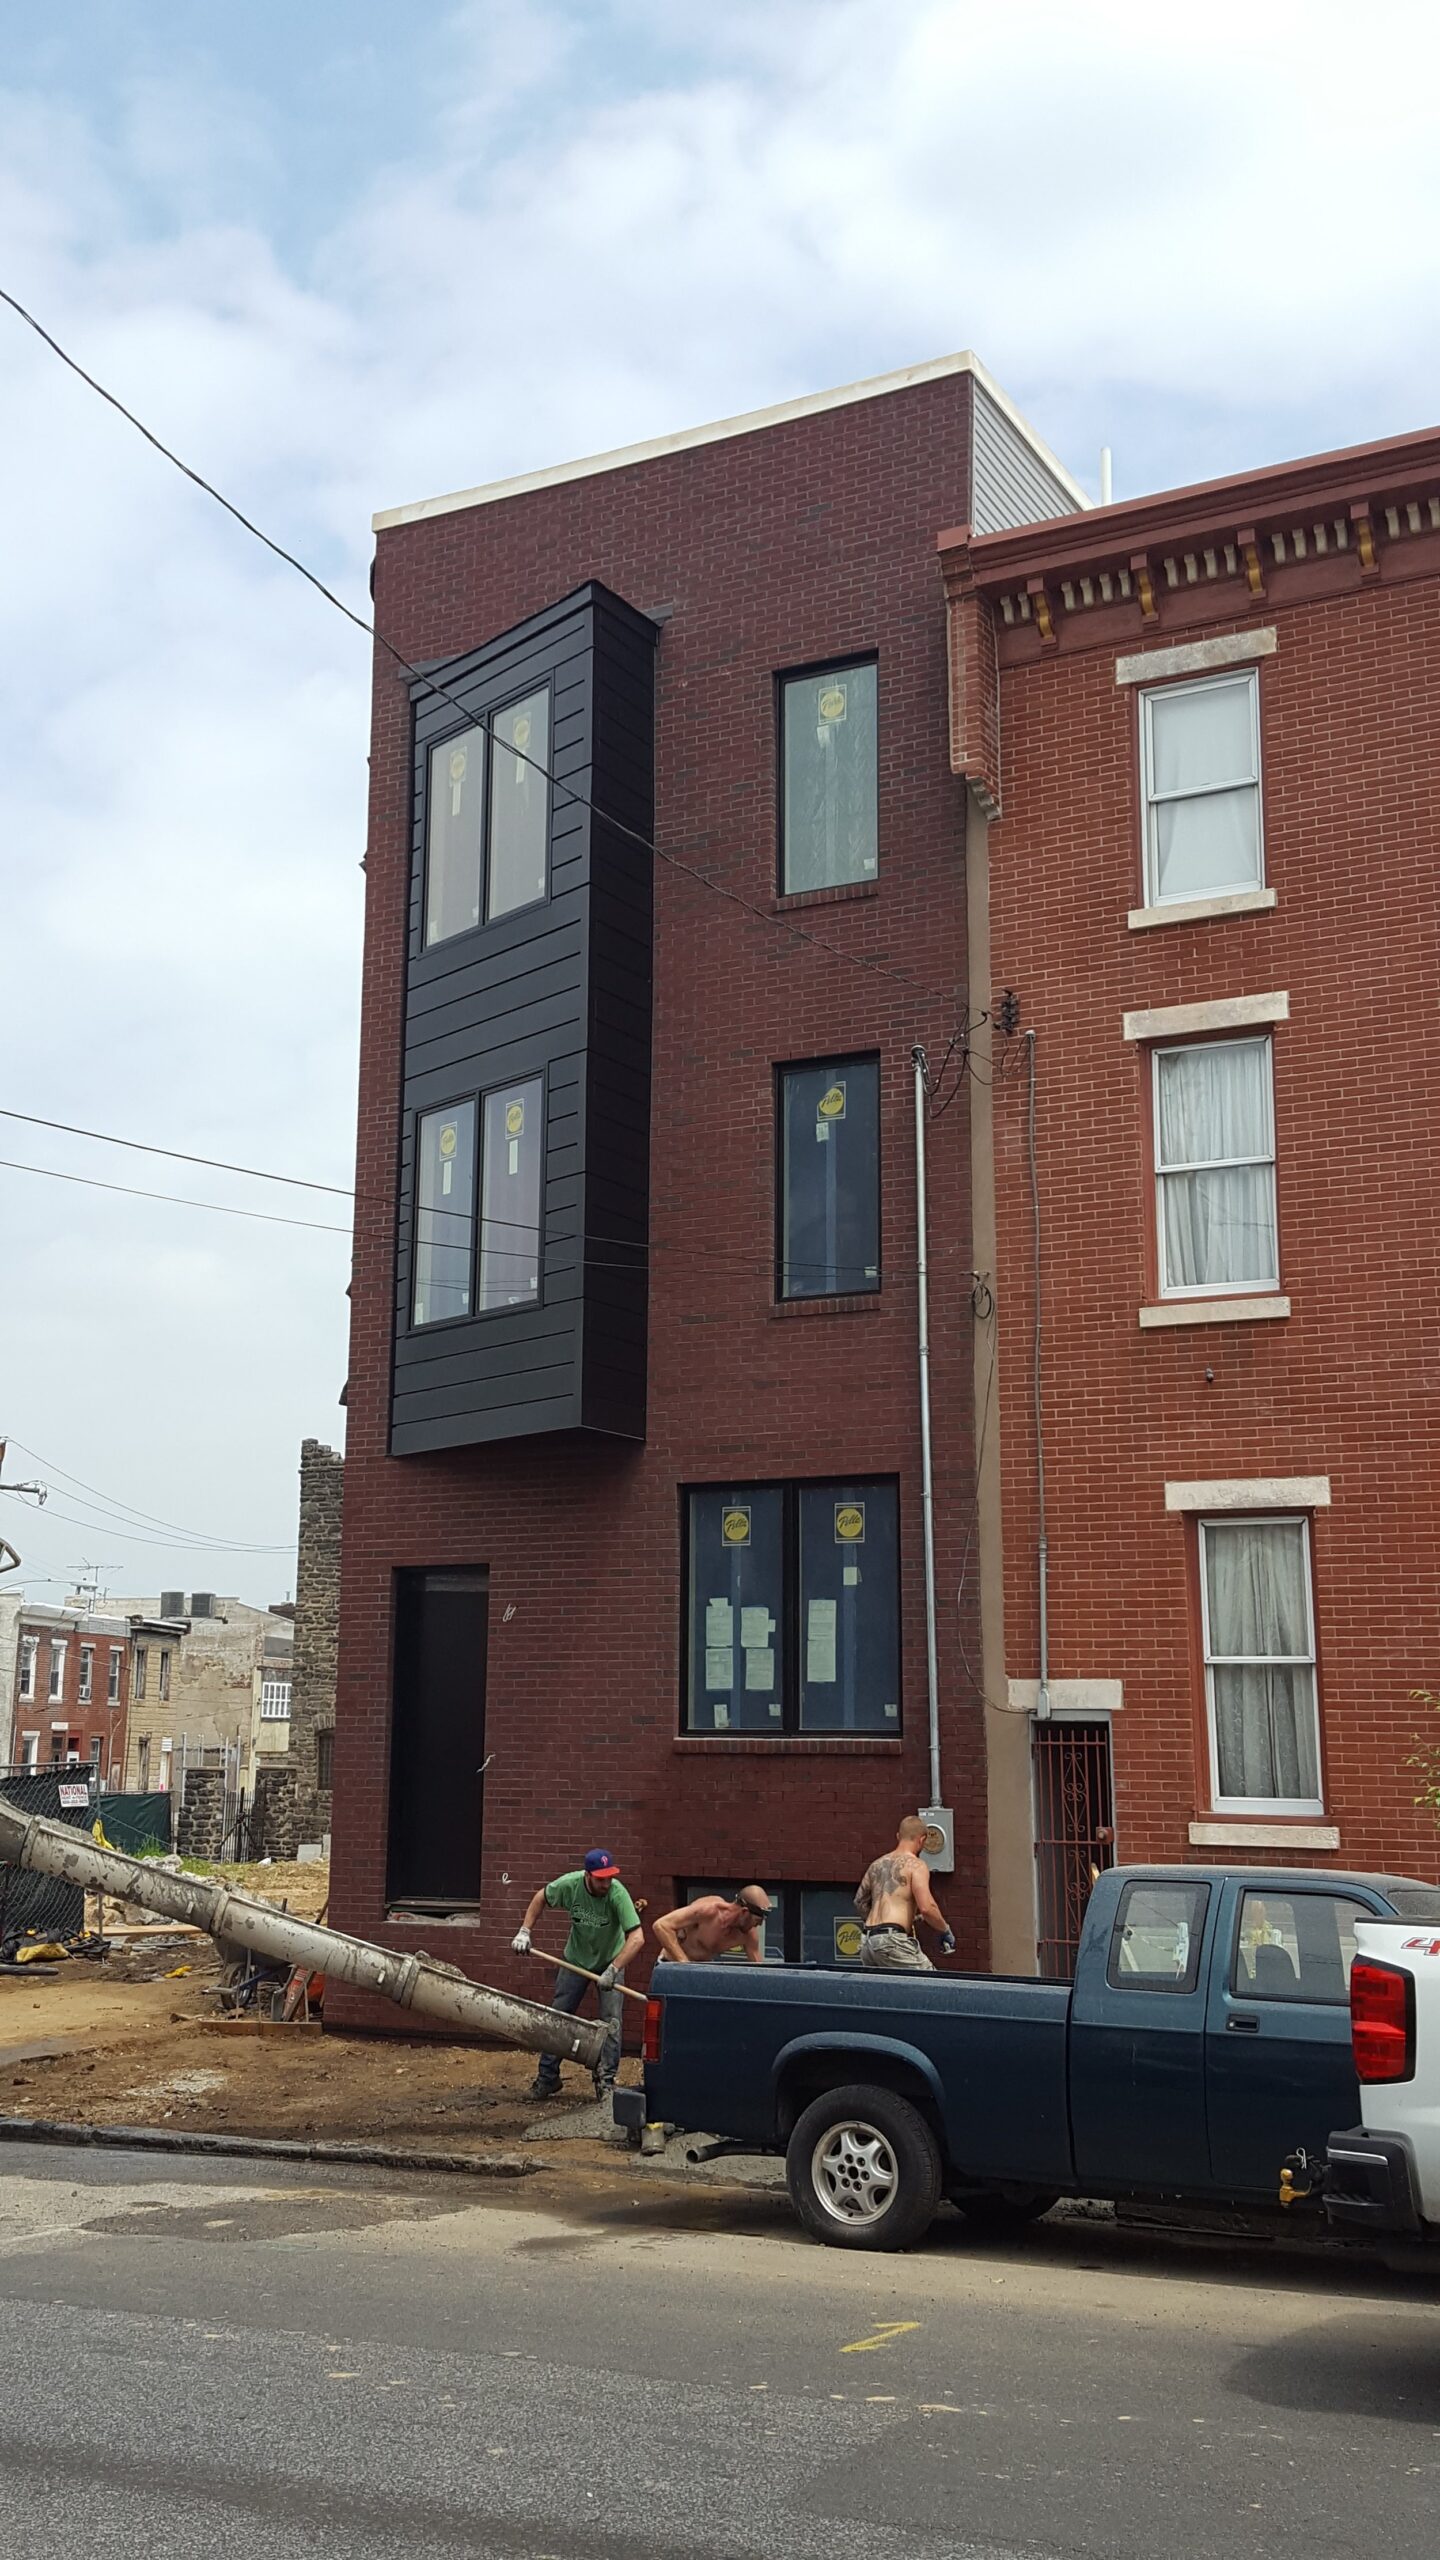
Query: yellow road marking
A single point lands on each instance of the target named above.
(884, 2334)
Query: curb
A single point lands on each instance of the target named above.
(240, 2146)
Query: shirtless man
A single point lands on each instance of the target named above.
(713, 1926)
(893, 1892)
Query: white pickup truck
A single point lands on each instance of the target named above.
(1385, 2175)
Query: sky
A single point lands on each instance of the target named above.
(343, 256)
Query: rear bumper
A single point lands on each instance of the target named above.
(1370, 2182)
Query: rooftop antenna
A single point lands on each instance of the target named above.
(88, 1586)
(1105, 482)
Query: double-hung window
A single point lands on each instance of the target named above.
(793, 1620)
(140, 1681)
(828, 796)
(87, 1673)
(487, 819)
(1215, 1168)
(29, 1652)
(274, 1700)
(57, 1670)
(1258, 1620)
(829, 1179)
(1200, 770)
(112, 1684)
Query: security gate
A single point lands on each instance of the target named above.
(1074, 1834)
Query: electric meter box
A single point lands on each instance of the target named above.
(939, 1839)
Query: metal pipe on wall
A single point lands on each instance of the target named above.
(1042, 1542)
(927, 1479)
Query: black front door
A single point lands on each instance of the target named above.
(437, 1735)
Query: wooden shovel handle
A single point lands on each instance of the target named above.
(585, 1974)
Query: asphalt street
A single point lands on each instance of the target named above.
(324, 2364)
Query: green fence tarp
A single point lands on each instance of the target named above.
(133, 1823)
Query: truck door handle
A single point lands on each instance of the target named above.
(1238, 2024)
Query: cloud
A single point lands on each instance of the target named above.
(340, 271)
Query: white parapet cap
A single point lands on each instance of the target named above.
(751, 422)
(1223, 1013)
(1251, 1493)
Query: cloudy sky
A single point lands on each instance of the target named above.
(353, 253)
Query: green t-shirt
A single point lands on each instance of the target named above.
(599, 1922)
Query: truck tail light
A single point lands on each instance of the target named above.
(654, 2030)
(1382, 2021)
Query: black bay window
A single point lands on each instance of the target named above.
(793, 1620)
(499, 865)
(444, 1213)
(828, 1243)
(828, 778)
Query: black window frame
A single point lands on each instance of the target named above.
(424, 757)
(834, 1067)
(477, 1098)
(790, 1630)
(1183, 1985)
(805, 674)
(792, 1916)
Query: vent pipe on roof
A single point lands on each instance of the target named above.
(1105, 481)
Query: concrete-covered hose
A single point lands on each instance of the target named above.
(202, 1902)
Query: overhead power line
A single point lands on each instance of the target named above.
(143, 1147)
(151, 1519)
(418, 675)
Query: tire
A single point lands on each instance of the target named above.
(863, 2169)
(1001, 2213)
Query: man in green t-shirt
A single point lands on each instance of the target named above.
(605, 1933)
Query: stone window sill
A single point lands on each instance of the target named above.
(1213, 1311)
(840, 896)
(866, 1304)
(814, 1746)
(1282, 1831)
(1234, 902)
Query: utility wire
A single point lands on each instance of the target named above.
(151, 1519)
(432, 684)
(216, 1164)
(137, 1537)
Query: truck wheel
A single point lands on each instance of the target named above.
(1002, 2213)
(863, 2170)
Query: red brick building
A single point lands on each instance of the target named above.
(633, 1497)
(1199, 732)
(72, 1689)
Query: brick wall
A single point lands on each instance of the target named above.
(1344, 1387)
(807, 542)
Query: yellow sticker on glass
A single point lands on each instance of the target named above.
(831, 1105)
(832, 702)
(849, 1523)
(447, 1139)
(849, 1937)
(735, 1525)
(514, 1119)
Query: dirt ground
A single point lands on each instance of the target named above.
(138, 2051)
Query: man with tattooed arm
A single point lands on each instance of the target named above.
(892, 1895)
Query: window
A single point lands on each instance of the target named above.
(444, 1214)
(325, 1758)
(87, 1673)
(829, 1186)
(1215, 1169)
(165, 1673)
(807, 1924)
(1200, 767)
(1158, 1934)
(513, 1160)
(828, 795)
(1258, 1623)
(501, 865)
(29, 1649)
(274, 1700)
(142, 1764)
(1295, 1947)
(112, 1685)
(142, 1670)
(96, 1747)
(793, 1610)
(57, 1669)
(29, 1750)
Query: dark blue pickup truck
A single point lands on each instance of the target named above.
(1204, 2043)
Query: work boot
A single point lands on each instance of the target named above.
(543, 2088)
(604, 2090)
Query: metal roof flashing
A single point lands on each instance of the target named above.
(750, 422)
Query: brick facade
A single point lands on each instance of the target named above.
(90, 1729)
(1342, 1387)
(811, 541)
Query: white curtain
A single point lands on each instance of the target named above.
(1257, 1597)
(1198, 741)
(1217, 1223)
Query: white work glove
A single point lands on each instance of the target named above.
(605, 1979)
(520, 1943)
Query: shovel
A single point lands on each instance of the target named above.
(586, 1975)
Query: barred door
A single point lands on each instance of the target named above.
(1074, 1833)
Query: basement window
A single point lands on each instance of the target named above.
(807, 1923)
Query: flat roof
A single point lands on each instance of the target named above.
(751, 422)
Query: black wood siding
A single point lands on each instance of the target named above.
(560, 990)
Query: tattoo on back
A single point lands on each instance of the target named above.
(890, 1874)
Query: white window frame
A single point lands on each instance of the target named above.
(56, 1690)
(1259, 1661)
(87, 1674)
(29, 1750)
(112, 1676)
(1249, 1288)
(1151, 799)
(270, 1690)
(29, 1664)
